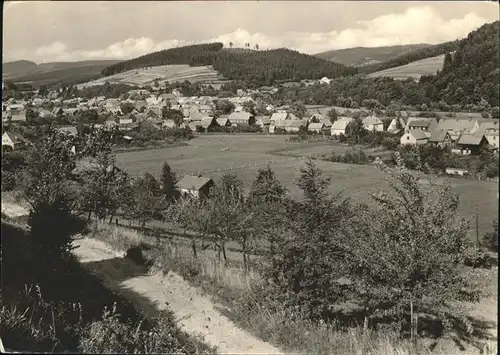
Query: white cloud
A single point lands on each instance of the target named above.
(416, 25)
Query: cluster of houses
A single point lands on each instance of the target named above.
(463, 136)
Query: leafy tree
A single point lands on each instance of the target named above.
(174, 115)
(355, 130)
(490, 240)
(225, 106)
(126, 107)
(406, 257)
(307, 263)
(45, 186)
(43, 91)
(332, 115)
(148, 199)
(266, 188)
(168, 181)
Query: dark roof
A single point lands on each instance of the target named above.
(470, 139)
(419, 123)
(190, 182)
(438, 135)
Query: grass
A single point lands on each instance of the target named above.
(253, 152)
(413, 70)
(237, 292)
(171, 73)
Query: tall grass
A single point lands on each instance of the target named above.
(237, 290)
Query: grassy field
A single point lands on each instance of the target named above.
(413, 70)
(246, 154)
(171, 73)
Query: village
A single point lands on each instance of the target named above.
(465, 135)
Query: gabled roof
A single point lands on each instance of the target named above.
(222, 121)
(371, 120)
(341, 123)
(15, 137)
(190, 182)
(470, 139)
(279, 116)
(418, 134)
(438, 136)
(71, 130)
(294, 123)
(316, 125)
(240, 116)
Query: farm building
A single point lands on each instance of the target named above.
(414, 137)
(318, 127)
(242, 118)
(13, 140)
(440, 138)
(70, 130)
(223, 122)
(470, 144)
(372, 123)
(208, 123)
(423, 124)
(339, 126)
(17, 116)
(281, 116)
(468, 126)
(456, 171)
(262, 121)
(195, 186)
(397, 125)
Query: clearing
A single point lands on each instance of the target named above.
(244, 155)
(413, 70)
(194, 311)
(147, 76)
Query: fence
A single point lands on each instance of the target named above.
(253, 164)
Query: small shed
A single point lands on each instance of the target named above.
(195, 186)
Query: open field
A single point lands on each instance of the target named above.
(247, 153)
(413, 70)
(171, 73)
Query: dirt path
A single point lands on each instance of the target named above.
(195, 312)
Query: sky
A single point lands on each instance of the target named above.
(43, 31)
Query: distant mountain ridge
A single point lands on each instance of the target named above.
(361, 56)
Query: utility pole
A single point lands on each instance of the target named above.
(477, 225)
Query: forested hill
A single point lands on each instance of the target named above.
(362, 56)
(412, 56)
(266, 67)
(473, 72)
(258, 67)
(181, 55)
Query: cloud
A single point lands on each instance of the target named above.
(415, 25)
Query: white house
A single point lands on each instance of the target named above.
(339, 126)
(13, 140)
(372, 123)
(414, 137)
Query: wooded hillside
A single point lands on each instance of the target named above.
(257, 67)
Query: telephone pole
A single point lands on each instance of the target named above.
(477, 225)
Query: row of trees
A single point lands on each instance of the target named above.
(330, 258)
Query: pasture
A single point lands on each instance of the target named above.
(244, 155)
(413, 70)
(147, 76)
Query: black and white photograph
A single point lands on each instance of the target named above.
(250, 177)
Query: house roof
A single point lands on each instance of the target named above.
(168, 123)
(418, 134)
(438, 135)
(314, 125)
(69, 130)
(470, 139)
(264, 120)
(240, 116)
(419, 123)
(341, 123)
(372, 120)
(222, 121)
(279, 116)
(326, 122)
(15, 137)
(294, 123)
(190, 182)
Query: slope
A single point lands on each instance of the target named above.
(53, 72)
(361, 56)
(256, 67)
(413, 70)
